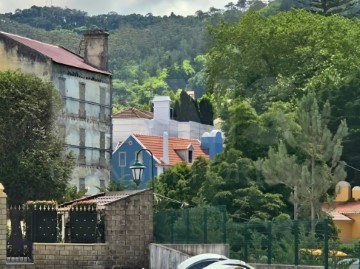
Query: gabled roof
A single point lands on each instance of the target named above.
(340, 210)
(155, 145)
(102, 199)
(132, 113)
(57, 54)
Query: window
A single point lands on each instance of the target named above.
(82, 145)
(102, 148)
(102, 183)
(102, 115)
(122, 159)
(81, 184)
(190, 156)
(82, 111)
(190, 153)
(62, 86)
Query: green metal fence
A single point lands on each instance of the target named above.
(191, 226)
(278, 242)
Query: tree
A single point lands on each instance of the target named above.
(206, 110)
(33, 161)
(186, 109)
(277, 58)
(326, 6)
(280, 58)
(315, 165)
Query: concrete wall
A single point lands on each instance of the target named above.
(169, 256)
(282, 266)
(125, 127)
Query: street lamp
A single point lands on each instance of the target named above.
(138, 169)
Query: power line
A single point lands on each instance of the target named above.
(352, 167)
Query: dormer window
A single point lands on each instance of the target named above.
(190, 153)
(190, 156)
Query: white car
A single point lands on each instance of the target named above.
(229, 264)
(201, 261)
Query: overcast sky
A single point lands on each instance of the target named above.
(122, 7)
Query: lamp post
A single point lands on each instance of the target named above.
(138, 169)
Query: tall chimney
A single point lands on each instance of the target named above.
(162, 108)
(96, 48)
(165, 148)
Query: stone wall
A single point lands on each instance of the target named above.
(68, 256)
(128, 233)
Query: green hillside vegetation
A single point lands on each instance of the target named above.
(148, 54)
(261, 69)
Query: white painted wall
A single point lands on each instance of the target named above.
(122, 128)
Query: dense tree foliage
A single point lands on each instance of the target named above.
(279, 58)
(254, 67)
(327, 7)
(33, 162)
(315, 165)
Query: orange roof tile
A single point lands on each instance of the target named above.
(131, 113)
(342, 211)
(347, 208)
(55, 53)
(155, 145)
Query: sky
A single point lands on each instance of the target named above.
(122, 7)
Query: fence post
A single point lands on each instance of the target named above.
(269, 245)
(326, 244)
(296, 243)
(224, 226)
(205, 226)
(247, 239)
(3, 228)
(187, 225)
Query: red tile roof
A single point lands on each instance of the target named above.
(347, 208)
(340, 211)
(57, 54)
(131, 113)
(155, 145)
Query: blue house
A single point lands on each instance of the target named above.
(166, 151)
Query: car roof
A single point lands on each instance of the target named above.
(201, 257)
(233, 263)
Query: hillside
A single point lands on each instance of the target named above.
(148, 54)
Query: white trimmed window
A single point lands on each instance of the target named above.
(122, 159)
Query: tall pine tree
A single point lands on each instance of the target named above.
(315, 165)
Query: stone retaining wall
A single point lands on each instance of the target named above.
(128, 233)
(64, 256)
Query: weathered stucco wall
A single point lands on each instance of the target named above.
(86, 117)
(92, 150)
(18, 57)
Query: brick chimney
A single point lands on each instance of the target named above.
(96, 48)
